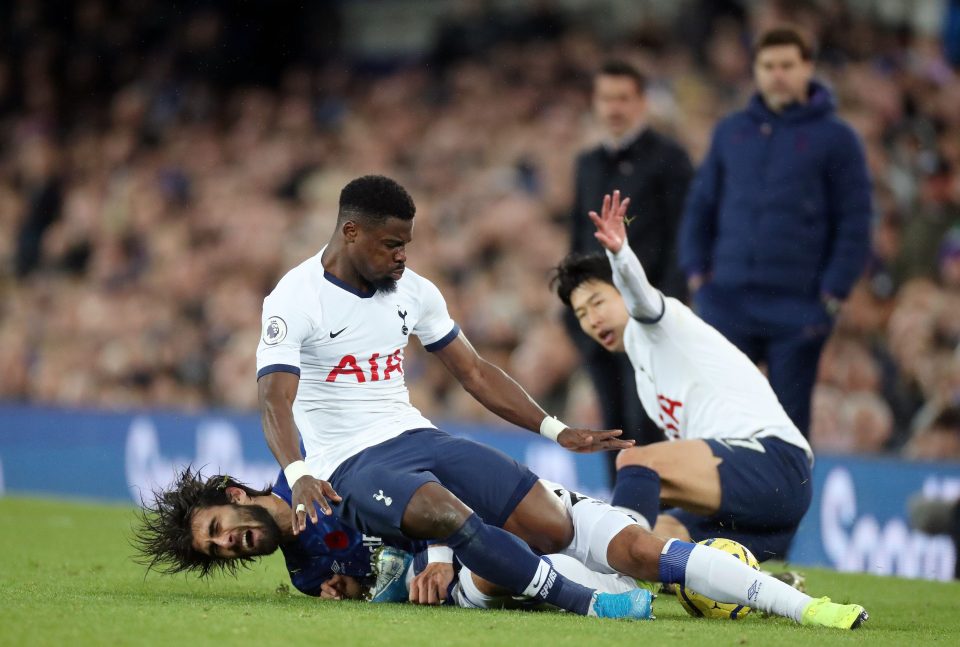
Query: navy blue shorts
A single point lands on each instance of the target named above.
(377, 484)
(765, 489)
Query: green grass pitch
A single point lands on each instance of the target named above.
(66, 578)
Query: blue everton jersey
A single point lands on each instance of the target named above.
(325, 549)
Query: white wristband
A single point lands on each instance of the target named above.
(294, 471)
(439, 554)
(551, 428)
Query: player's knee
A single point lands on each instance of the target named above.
(639, 456)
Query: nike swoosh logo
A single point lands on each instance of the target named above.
(334, 334)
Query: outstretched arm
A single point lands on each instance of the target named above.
(643, 301)
(277, 392)
(501, 394)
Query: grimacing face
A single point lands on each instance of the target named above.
(234, 530)
(618, 103)
(379, 251)
(782, 76)
(601, 312)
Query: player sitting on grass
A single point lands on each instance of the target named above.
(204, 525)
(735, 466)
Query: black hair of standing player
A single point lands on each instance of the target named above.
(376, 198)
(163, 538)
(577, 269)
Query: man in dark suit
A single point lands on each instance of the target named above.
(654, 172)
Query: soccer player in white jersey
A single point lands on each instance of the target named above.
(734, 465)
(330, 365)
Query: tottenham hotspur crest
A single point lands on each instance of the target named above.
(403, 317)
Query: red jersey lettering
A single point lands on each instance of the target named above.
(669, 416)
(394, 363)
(347, 365)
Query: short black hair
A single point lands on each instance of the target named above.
(577, 269)
(784, 36)
(164, 536)
(376, 197)
(622, 68)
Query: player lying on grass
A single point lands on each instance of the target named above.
(205, 525)
(327, 559)
(734, 465)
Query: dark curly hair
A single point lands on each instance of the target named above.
(163, 538)
(376, 197)
(577, 269)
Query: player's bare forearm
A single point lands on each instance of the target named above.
(490, 385)
(502, 395)
(277, 392)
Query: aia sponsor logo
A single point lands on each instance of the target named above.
(369, 369)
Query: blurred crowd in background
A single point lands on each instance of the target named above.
(163, 163)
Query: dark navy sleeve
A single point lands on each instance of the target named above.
(849, 194)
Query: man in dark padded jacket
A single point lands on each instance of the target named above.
(776, 227)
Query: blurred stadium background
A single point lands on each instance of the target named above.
(163, 163)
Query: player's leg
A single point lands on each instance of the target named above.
(404, 468)
(472, 591)
(606, 539)
(792, 362)
(503, 492)
(766, 486)
(711, 572)
(682, 473)
(541, 521)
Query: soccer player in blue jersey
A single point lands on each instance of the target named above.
(205, 525)
(219, 524)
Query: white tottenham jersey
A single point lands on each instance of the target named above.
(692, 381)
(347, 347)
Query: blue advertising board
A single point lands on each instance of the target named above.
(857, 521)
(104, 455)
(858, 518)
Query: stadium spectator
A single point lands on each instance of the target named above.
(775, 228)
(939, 439)
(182, 194)
(654, 172)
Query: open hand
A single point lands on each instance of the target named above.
(306, 492)
(584, 441)
(610, 223)
(430, 586)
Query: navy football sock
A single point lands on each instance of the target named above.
(499, 557)
(638, 489)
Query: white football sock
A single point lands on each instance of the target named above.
(724, 578)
